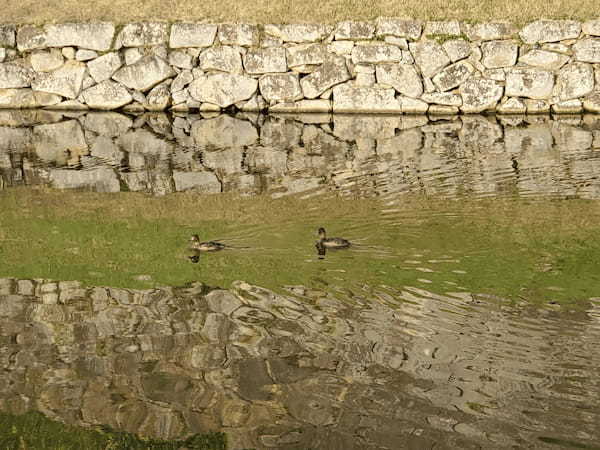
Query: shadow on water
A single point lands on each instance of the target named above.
(465, 314)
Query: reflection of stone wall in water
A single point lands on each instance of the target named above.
(302, 153)
(305, 370)
(388, 65)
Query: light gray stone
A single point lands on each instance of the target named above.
(376, 53)
(497, 54)
(108, 124)
(457, 49)
(574, 80)
(306, 54)
(242, 34)
(442, 98)
(350, 30)
(591, 27)
(99, 179)
(46, 61)
(592, 103)
(531, 83)
(544, 59)
(550, 31)
(340, 47)
(85, 55)
(68, 52)
(537, 106)
(587, 50)
(192, 35)
(91, 36)
(66, 81)
(182, 80)
(133, 55)
(205, 182)
(429, 56)
(303, 106)
(144, 74)
(14, 76)
(106, 95)
(399, 42)
(181, 59)
(103, 67)
(353, 99)
(223, 89)
(490, 31)
(143, 34)
(558, 48)
(512, 106)
(403, 28)
(106, 150)
(2, 54)
(30, 37)
(158, 98)
(333, 71)
(299, 33)
(402, 77)
(265, 60)
(568, 107)
(445, 28)
(26, 98)
(453, 76)
(479, 95)
(8, 35)
(223, 58)
(279, 88)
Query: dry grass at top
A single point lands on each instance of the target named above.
(290, 11)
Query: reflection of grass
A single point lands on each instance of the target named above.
(34, 431)
(535, 250)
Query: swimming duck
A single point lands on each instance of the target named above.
(209, 246)
(335, 242)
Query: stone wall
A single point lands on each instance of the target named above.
(388, 65)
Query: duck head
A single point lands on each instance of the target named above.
(194, 238)
(321, 233)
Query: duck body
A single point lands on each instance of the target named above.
(335, 242)
(208, 246)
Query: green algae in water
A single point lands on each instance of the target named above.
(538, 251)
(33, 430)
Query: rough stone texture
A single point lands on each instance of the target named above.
(592, 103)
(205, 182)
(457, 49)
(402, 77)
(2, 54)
(568, 107)
(306, 55)
(243, 34)
(591, 27)
(332, 72)
(550, 31)
(106, 95)
(46, 61)
(498, 54)
(14, 76)
(299, 33)
(350, 30)
(454, 75)
(143, 34)
(442, 98)
(144, 74)
(223, 89)
(182, 80)
(66, 81)
(192, 35)
(91, 36)
(531, 83)
(8, 35)
(26, 98)
(403, 28)
(544, 59)
(375, 53)
(265, 60)
(587, 50)
(103, 67)
(348, 98)
(490, 31)
(278, 88)
(30, 37)
(480, 95)
(574, 80)
(158, 98)
(449, 28)
(429, 56)
(512, 106)
(223, 58)
(181, 59)
(85, 55)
